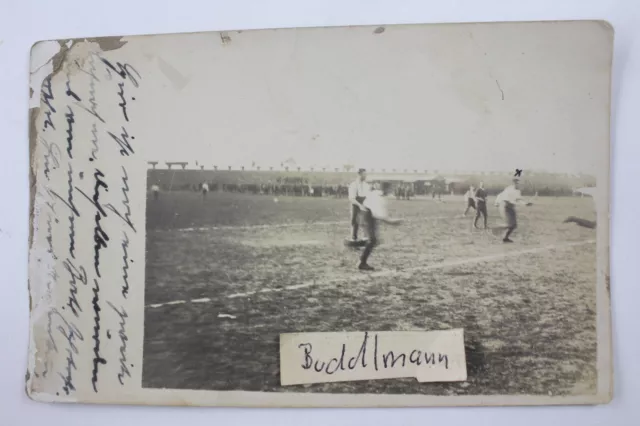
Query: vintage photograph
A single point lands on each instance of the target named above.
(399, 178)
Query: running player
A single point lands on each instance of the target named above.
(481, 205)
(358, 191)
(469, 199)
(585, 223)
(376, 206)
(506, 202)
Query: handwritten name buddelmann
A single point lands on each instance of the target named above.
(83, 223)
(429, 356)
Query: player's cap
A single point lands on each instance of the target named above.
(515, 180)
(361, 170)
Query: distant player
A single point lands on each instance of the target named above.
(155, 189)
(436, 191)
(358, 192)
(376, 211)
(481, 205)
(205, 190)
(506, 202)
(469, 200)
(585, 223)
(591, 224)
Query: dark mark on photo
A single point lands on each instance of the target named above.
(500, 88)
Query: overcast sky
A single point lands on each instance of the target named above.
(445, 97)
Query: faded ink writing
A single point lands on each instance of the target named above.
(75, 274)
(123, 142)
(97, 357)
(122, 333)
(46, 97)
(100, 237)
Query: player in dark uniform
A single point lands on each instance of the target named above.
(481, 205)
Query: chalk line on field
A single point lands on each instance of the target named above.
(391, 272)
(289, 225)
(272, 226)
(174, 302)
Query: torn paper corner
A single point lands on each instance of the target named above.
(47, 57)
(33, 381)
(42, 54)
(39, 396)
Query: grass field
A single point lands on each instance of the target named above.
(226, 275)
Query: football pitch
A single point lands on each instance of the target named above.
(225, 275)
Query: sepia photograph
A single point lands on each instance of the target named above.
(379, 179)
(353, 206)
(399, 215)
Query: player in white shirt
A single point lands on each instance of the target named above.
(155, 189)
(358, 191)
(376, 205)
(204, 189)
(469, 200)
(506, 202)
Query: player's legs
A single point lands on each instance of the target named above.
(470, 205)
(371, 243)
(355, 212)
(507, 234)
(481, 210)
(484, 214)
(510, 221)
